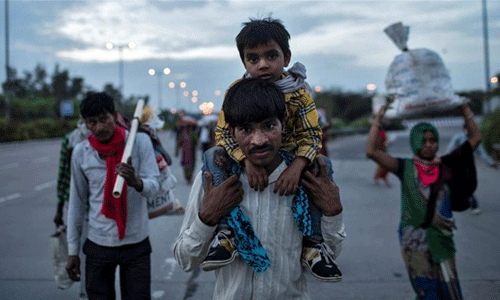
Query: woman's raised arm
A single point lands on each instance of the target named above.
(382, 158)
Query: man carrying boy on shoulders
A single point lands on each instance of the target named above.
(267, 216)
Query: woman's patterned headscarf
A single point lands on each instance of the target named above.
(417, 136)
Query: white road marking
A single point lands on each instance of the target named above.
(45, 185)
(10, 197)
(40, 160)
(173, 264)
(10, 166)
(158, 294)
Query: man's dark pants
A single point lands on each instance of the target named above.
(135, 270)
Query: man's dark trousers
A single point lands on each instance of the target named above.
(135, 270)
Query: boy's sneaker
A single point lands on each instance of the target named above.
(222, 251)
(318, 257)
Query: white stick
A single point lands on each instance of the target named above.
(117, 190)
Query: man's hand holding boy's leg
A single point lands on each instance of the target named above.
(319, 257)
(220, 200)
(323, 192)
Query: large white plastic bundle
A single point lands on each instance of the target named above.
(417, 80)
(164, 203)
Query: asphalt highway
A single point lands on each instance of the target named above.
(370, 260)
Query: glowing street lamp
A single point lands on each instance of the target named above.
(181, 85)
(153, 72)
(206, 108)
(494, 79)
(371, 87)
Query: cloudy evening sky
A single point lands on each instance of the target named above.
(341, 43)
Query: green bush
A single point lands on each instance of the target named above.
(52, 128)
(394, 125)
(27, 131)
(361, 122)
(7, 131)
(337, 123)
(35, 130)
(31, 108)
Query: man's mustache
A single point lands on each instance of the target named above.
(265, 147)
(101, 133)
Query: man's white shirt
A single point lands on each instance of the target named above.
(272, 220)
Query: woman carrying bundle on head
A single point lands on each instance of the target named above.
(431, 187)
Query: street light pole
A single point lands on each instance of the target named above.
(152, 72)
(486, 57)
(120, 69)
(120, 48)
(173, 85)
(7, 66)
(160, 96)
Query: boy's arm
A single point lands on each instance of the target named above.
(305, 122)
(303, 118)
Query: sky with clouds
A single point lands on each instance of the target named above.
(341, 43)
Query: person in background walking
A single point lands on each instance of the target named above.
(325, 126)
(207, 132)
(70, 140)
(187, 140)
(430, 185)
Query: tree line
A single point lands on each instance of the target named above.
(44, 92)
(49, 90)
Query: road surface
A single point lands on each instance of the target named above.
(370, 261)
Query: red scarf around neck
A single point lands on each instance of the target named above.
(427, 171)
(113, 208)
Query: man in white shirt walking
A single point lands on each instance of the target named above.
(255, 111)
(118, 228)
